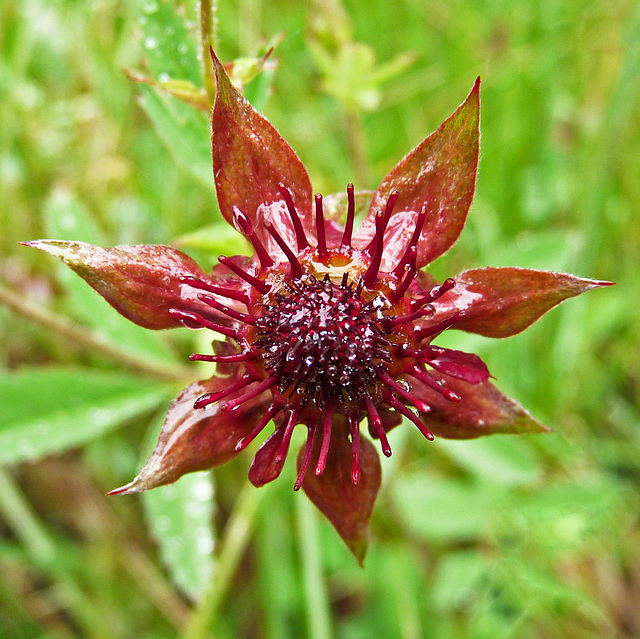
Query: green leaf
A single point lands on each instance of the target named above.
(499, 459)
(48, 411)
(445, 510)
(170, 50)
(181, 517)
(184, 131)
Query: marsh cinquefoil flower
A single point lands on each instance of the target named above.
(327, 325)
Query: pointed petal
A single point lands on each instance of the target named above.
(465, 366)
(195, 439)
(483, 410)
(264, 468)
(500, 302)
(250, 158)
(140, 282)
(346, 506)
(440, 173)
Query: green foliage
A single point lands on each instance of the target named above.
(498, 537)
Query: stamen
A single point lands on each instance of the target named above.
(236, 315)
(297, 224)
(312, 434)
(195, 321)
(355, 449)
(326, 437)
(424, 377)
(371, 274)
(390, 383)
(398, 406)
(410, 273)
(274, 408)
(259, 285)
(264, 385)
(296, 268)
(403, 319)
(351, 213)
(427, 331)
(243, 223)
(322, 241)
(230, 293)
(436, 292)
(413, 243)
(391, 202)
(286, 437)
(246, 356)
(212, 398)
(378, 427)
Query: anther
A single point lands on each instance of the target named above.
(326, 437)
(427, 331)
(413, 244)
(297, 224)
(229, 293)
(195, 321)
(322, 241)
(264, 385)
(274, 408)
(371, 274)
(398, 406)
(378, 427)
(424, 377)
(351, 213)
(296, 268)
(243, 224)
(246, 356)
(259, 285)
(232, 313)
(388, 209)
(212, 398)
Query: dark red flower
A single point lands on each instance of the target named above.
(326, 325)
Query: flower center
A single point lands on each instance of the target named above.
(323, 342)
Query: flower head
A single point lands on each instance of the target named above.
(328, 326)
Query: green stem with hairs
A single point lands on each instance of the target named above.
(78, 334)
(208, 38)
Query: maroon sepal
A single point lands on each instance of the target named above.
(141, 282)
(465, 366)
(250, 159)
(196, 439)
(440, 174)
(484, 410)
(502, 301)
(266, 466)
(346, 506)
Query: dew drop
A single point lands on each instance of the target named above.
(164, 77)
(150, 7)
(150, 43)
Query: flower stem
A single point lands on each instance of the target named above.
(208, 38)
(232, 546)
(356, 144)
(78, 334)
(317, 602)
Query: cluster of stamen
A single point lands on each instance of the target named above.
(323, 346)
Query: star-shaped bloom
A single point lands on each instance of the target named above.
(327, 326)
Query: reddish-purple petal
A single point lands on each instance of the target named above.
(265, 467)
(483, 410)
(346, 506)
(196, 439)
(440, 174)
(465, 366)
(500, 302)
(250, 158)
(140, 282)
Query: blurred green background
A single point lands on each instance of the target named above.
(534, 536)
